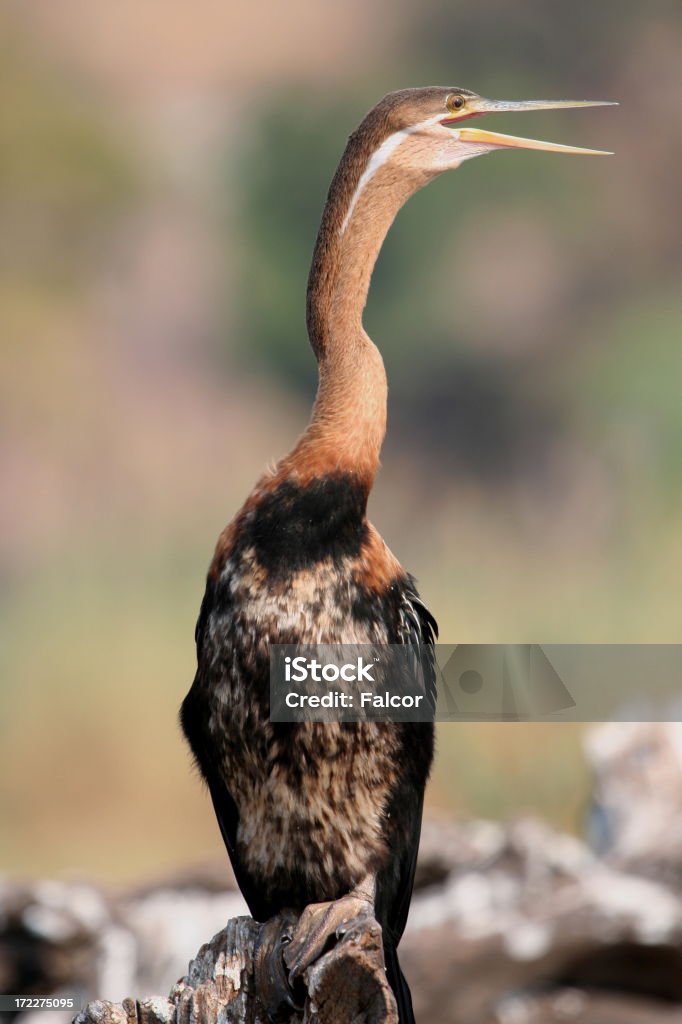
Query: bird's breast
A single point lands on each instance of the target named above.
(300, 568)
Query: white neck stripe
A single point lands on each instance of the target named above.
(379, 158)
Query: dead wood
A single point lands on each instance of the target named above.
(346, 984)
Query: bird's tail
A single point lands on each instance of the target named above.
(401, 989)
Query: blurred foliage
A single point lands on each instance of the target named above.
(63, 177)
(480, 45)
(631, 385)
(283, 173)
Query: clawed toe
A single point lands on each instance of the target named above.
(355, 922)
(287, 947)
(317, 928)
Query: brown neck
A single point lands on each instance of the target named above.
(348, 421)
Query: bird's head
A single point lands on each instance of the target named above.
(431, 130)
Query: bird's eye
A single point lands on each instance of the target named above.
(455, 102)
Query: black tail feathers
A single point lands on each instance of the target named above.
(401, 989)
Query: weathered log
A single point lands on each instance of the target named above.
(346, 984)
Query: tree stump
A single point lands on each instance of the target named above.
(347, 984)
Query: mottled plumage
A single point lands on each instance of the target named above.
(306, 810)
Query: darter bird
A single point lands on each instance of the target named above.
(325, 818)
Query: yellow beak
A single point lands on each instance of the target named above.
(514, 142)
(477, 106)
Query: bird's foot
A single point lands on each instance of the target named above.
(319, 925)
(278, 996)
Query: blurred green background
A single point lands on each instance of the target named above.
(163, 170)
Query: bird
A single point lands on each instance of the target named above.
(324, 819)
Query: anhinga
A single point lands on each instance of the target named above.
(327, 816)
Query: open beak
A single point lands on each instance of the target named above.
(478, 106)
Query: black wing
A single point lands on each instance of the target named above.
(192, 718)
(418, 627)
(193, 722)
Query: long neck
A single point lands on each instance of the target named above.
(348, 421)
